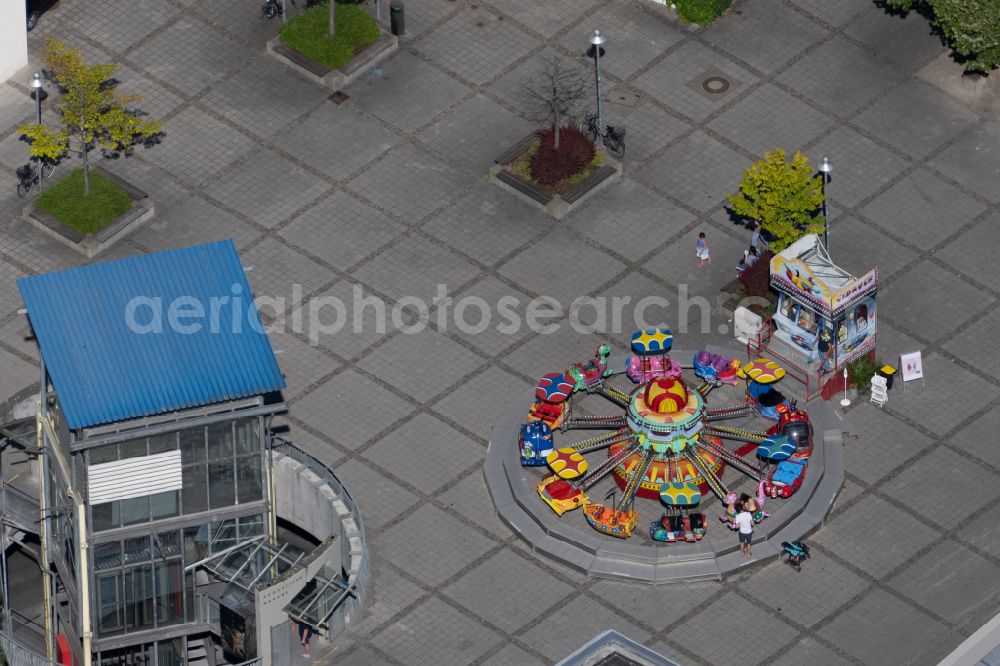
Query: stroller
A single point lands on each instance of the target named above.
(797, 551)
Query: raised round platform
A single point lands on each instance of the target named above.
(569, 540)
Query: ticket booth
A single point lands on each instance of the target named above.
(823, 311)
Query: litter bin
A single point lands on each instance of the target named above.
(397, 22)
(888, 372)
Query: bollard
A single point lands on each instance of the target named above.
(397, 23)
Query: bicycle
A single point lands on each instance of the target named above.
(613, 139)
(27, 176)
(272, 8)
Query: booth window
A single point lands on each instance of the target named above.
(861, 317)
(807, 320)
(786, 307)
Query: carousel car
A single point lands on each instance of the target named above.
(771, 403)
(561, 495)
(535, 443)
(795, 424)
(688, 527)
(611, 521)
(591, 373)
(785, 478)
(650, 358)
(715, 367)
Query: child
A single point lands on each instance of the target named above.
(701, 250)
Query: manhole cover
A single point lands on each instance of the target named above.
(623, 98)
(339, 97)
(715, 84)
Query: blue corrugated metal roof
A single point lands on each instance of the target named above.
(104, 370)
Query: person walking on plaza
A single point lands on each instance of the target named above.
(744, 522)
(756, 241)
(701, 250)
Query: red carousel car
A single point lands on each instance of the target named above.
(795, 424)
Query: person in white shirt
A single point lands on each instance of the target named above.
(744, 521)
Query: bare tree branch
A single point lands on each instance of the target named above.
(551, 94)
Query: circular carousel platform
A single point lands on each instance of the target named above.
(569, 540)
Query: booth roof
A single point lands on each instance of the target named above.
(810, 250)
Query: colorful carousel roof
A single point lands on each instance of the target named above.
(762, 371)
(652, 340)
(554, 387)
(680, 494)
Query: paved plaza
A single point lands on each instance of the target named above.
(388, 191)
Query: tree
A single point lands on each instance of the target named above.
(91, 110)
(783, 196)
(331, 21)
(971, 27)
(551, 94)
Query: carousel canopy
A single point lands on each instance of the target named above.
(554, 387)
(680, 494)
(777, 447)
(567, 463)
(652, 340)
(762, 371)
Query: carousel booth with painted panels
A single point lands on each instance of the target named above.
(823, 311)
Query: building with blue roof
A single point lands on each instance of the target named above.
(150, 335)
(162, 484)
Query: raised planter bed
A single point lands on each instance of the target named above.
(90, 245)
(334, 79)
(556, 205)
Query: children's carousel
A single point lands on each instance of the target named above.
(823, 311)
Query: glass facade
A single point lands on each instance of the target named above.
(222, 467)
(141, 583)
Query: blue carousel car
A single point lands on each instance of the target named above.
(534, 443)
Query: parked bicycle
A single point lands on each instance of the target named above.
(27, 176)
(272, 8)
(613, 139)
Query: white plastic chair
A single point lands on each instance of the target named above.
(879, 392)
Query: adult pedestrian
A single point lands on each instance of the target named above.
(305, 635)
(756, 241)
(744, 522)
(701, 250)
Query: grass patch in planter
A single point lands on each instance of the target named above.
(355, 31)
(65, 201)
(701, 12)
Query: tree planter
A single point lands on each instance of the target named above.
(556, 205)
(334, 79)
(90, 245)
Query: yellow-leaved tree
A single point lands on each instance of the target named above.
(92, 112)
(783, 196)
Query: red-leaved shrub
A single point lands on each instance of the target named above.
(757, 279)
(550, 166)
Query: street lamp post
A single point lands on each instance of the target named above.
(596, 40)
(38, 93)
(825, 167)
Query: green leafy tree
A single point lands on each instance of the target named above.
(93, 113)
(783, 196)
(971, 27)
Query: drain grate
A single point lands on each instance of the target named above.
(339, 97)
(715, 84)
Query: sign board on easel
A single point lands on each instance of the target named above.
(911, 367)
